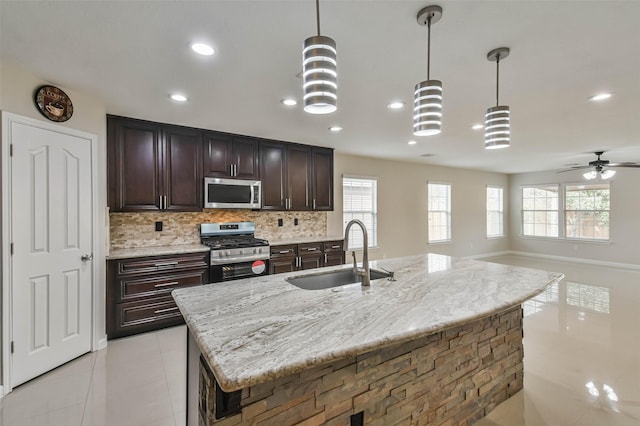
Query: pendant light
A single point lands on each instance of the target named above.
(497, 133)
(319, 72)
(427, 98)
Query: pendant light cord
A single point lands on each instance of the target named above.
(497, 79)
(318, 16)
(429, 47)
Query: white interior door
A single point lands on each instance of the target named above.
(51, 229)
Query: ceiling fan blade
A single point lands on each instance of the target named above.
(574, 168)
(627, 164)
(623, 165)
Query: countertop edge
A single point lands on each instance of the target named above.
(147, 251)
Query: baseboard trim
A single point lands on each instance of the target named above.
(484, 255)
(102, 343)
(596, 262)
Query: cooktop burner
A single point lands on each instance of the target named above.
(236, 242)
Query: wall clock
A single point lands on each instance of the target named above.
(53, 103)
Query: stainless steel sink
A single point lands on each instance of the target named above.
(332, 279)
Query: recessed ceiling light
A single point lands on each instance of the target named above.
(178, 97)
(289, 102)
(477, 126)
(600, 96)
(395, 105)
(412, 142)
(202, 49)
(335, 129)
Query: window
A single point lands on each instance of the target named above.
(439, 199)
(540, 211)
(360, 202)
(587, 211)
(495, 213)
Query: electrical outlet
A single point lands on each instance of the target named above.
(279, 222)
(295, 221)
(158, 226)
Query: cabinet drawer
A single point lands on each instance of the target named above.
(288, 250)
(152, 314)
(148, 265)
(329, 246)
(309, 248)
(133, 287)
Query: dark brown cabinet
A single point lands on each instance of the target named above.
(153, 167)
(297, 257)
(296, 177)
(230, 156)
(139, 290)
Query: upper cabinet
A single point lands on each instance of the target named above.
(230, 156)
(153, 167)
(296, 177)
(160, 167)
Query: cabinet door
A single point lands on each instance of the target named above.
(333, 259)
(135, 165)
(322, 179)
(218, 155)
(299, 177)
(183, 169)
(311, 261)
(272, 174)
(282, 264)
(245, 158)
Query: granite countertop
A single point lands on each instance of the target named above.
(255, 330)
(156, 251)
(302, 240)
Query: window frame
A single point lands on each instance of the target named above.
(373, 231)
(449, 213)
(501, 212)
(558, 211)
(565, 210)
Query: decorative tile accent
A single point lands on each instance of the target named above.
(133, 230)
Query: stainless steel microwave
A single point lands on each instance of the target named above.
(232, 194)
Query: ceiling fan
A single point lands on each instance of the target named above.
(601, 168)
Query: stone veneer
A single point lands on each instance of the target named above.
(133, 230)
(453, 377)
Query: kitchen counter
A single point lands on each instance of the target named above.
(156, 251)
(303, 240)
(261, 329)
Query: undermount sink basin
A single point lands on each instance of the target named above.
(332, 279)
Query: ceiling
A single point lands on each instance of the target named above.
(132, 54)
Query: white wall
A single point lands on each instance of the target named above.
(402, 206)
(624, 225)
(17, 87)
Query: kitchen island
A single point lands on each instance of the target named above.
(441, 345)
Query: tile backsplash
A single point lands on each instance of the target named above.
(132, 230)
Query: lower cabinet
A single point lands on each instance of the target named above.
(298, 257)
(139, 290)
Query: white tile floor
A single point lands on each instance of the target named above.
(582, 365)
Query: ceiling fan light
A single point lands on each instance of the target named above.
(607, 174)
(590, 175)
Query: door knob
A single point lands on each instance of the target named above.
(86, 257)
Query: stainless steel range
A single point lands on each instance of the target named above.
(235, 252)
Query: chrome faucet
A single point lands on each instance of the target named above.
(364, 272)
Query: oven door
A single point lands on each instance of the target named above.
(235, 271)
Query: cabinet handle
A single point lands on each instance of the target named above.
(325, 258)
(160, 202)
(165, 264)
(314, 203)
(166, 284)
(312, 249)
(235, 170)
(335, 246)
(230, 169)
(162, 311)
(298, 261)
(165, 202)
(284, 251)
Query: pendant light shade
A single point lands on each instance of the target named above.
(319, 72)
(427, 96)
(497, 128)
